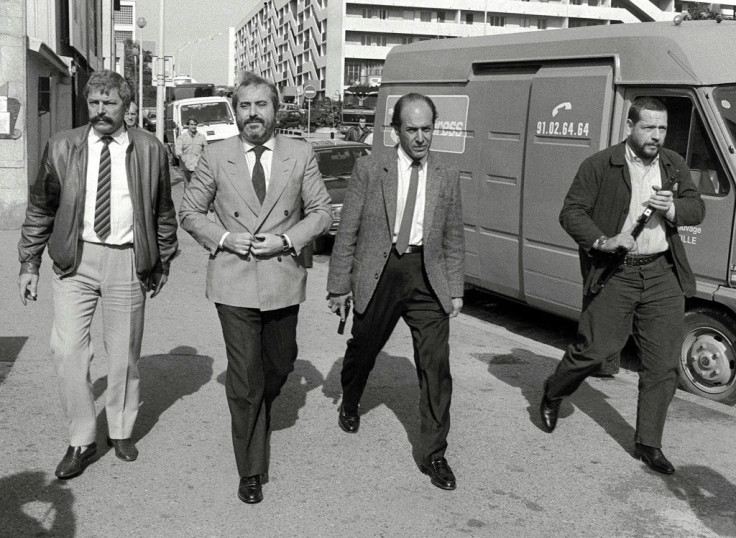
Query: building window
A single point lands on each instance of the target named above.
(497, 20)
(468, 18)
(524, 22)
(542, 24)
(440, 16)
(425, 16)
(408, 15)
(124, 16)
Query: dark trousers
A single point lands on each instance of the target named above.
(403, 292)
(646, 302)
(261, 350)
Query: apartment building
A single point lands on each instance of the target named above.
(338, 43)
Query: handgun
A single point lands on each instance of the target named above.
(341, 325)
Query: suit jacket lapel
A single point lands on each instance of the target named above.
(390, 187)
(282, 166)
(237, 173)
(433, 185)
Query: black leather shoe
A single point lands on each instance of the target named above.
(549, 411)
(440, 473)
(124, 448)
(250, 490)
(654, 458)
(349, 421)
(74, 461)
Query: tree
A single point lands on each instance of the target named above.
(701, 12)
(131, 72)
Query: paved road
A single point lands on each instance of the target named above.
(514, 479)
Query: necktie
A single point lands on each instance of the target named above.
(402, 241)
(104, 186)
(259, 176)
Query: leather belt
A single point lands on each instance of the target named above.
(633, 260)
(413, 249)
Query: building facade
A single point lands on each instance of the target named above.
(48, 49)
(334, 44)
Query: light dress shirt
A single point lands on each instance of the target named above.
(121, 205)
(652, 239)
(417, 225)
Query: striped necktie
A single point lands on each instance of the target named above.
(402, 240)
(104, 186)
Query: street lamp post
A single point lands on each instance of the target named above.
(141, 24)
(160, 78)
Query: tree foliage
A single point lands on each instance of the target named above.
(131, 72)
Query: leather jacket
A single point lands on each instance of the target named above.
(55, 211)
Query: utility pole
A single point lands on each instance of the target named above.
(161, 77)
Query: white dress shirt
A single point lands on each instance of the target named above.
(121, 205)
(417, 225)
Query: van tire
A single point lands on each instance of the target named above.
(708, 357)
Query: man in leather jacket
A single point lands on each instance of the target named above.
(102, 203)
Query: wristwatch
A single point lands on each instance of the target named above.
(285, 241)
(600, 242)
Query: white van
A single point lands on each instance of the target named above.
(214, 115)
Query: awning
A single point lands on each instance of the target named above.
(53, 59)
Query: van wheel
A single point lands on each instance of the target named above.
(707, 357)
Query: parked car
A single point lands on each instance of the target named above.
(289, 119)
(336, 159)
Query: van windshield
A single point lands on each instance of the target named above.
(206, 113)
(725, 98)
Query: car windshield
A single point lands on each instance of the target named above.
(339, 162)
(725, 99)
(207, 113)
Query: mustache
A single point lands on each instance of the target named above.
(255, 119)
(100, 119)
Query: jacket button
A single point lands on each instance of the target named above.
(279, 258)
(286, 212)
(385, 254)
(375, 276)
(236, 214)
(626, 211)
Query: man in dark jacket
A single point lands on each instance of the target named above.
(647, 292)
(102, 203)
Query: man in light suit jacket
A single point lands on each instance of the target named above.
(270, 203)
(400, 250)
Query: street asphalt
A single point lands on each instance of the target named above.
(513, 478)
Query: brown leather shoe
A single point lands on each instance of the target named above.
(74, 461)
(250, 490)
(124, 449)
(654, 458)
(349, 420)
(440, 473)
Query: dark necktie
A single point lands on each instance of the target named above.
(402, 241)
(104, 186)
(259, 176)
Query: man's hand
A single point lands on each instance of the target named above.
(28, 286)
(661, 199)
(457, 305)
(159, 280)
(621, 241)
(265, 245)
(338, 303)
(238, 243)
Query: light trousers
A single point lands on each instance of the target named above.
(106, 274)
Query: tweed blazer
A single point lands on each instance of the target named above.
(296, 204)
(364, 237)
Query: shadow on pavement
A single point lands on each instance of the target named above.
(293, 396)
(165, 379)
(393, 383)
(31, 506)
(528, 371)
(10, 347)
(711, 496)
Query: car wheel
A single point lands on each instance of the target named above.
(708, 357)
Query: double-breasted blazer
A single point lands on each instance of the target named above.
(296, 204)
(364, 237)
